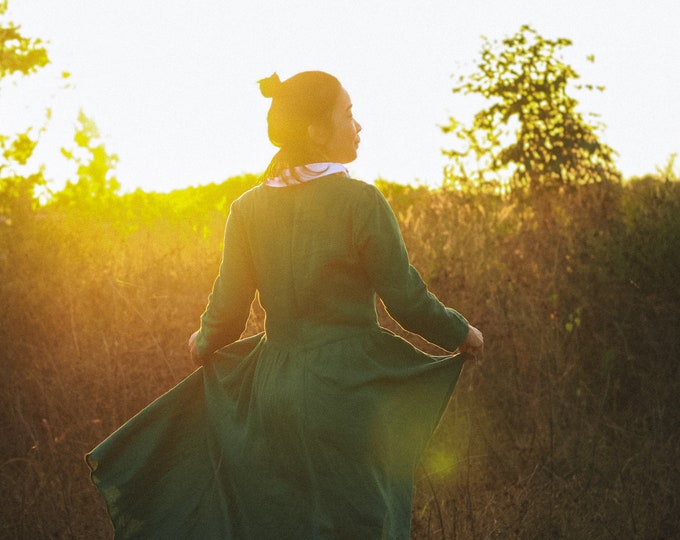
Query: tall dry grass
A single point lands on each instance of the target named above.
(568, 428)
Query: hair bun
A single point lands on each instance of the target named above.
(270, 86)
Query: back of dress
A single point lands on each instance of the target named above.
(308, 265)
(318, 252)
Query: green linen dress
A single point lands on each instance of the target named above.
(312, 429)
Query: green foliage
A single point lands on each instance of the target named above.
(23, 56)
(19, 54)
(668, 172)
(96, 184)
(531, 134)
(17, 188)
(20, 149)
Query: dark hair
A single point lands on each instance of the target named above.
(298, 102)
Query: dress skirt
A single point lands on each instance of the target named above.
(273, 441)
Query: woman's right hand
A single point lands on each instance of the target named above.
(474, 342)
(193, 351)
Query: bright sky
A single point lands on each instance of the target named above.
(171, 84)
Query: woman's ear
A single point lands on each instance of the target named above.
(317, 134)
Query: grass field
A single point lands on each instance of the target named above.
(568, 428)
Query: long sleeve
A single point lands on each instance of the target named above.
(398, 283)
(225, 317)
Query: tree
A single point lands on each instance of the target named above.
(17, 188)
(23, 56)
(531, 135)
(19, 54)
(96, 183)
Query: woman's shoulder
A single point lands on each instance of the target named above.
(247, 198)
(357, 184)
(355, 189)
(360, 196)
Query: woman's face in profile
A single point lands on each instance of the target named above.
(342, 134)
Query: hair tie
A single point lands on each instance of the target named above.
(270, 86)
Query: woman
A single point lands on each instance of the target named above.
(313, 428)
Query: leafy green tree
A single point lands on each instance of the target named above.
(96, 182)
(22, 56)
(17, 188)
(531, 134)
(19, 54)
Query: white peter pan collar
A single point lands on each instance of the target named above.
(305, 173)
